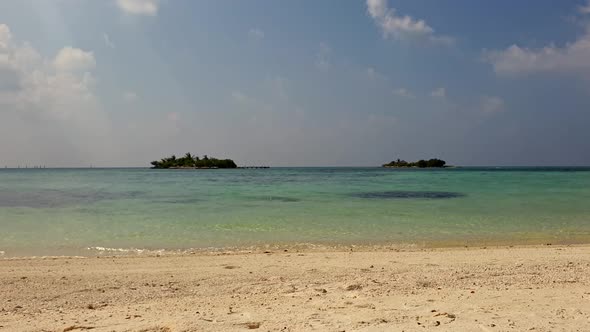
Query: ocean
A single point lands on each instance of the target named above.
(135, 210)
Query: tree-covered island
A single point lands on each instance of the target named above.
(431, 163)
(190, 161)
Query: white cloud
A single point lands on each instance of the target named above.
(31, 81)
(322, 60)
(139, 7)
(48, 108)
(377, 8)
(403, 92)
(585, 9)
(107, 40)
(374, 74)
(489, 105)
(571, 58)
(74, 59)
(439, 93)
(130, 96)
(255, 34)
(5, 36)
(244, 100)
(401, 27)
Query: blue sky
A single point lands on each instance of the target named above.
(299, 83)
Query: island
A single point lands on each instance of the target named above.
(192, 162)
(430, 163)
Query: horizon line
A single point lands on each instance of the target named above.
(293, 166)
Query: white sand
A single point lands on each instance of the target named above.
(504, 289)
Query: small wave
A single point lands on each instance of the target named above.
(123, 250)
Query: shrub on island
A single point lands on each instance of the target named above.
(431, 163)
(190, 161)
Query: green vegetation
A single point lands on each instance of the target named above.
(431, 163)
(190, 161)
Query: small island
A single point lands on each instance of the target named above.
(431, 163)
(192, 162)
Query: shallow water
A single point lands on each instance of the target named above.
(48, 211)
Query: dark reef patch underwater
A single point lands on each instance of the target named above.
(281, 199)
(402, 194)
(51, 198)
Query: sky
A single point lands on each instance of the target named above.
(294, 83)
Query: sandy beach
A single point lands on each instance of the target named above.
(544, 288)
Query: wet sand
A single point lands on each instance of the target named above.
(544, 288)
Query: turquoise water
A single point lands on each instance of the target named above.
(51, 211)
